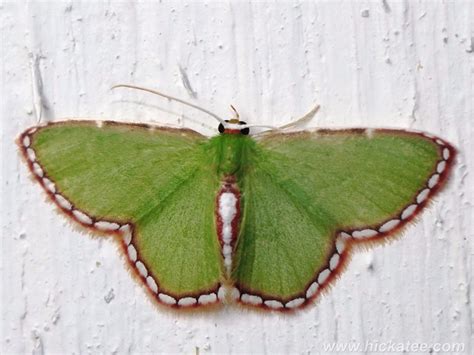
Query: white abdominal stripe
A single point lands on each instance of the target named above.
(126, 231)
(344, 238)
(227, 213)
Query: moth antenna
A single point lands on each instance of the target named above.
(257, 126)
(300, 120)
(237, 118)
(170, 98)
(303, 119)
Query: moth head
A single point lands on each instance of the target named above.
(232, 126)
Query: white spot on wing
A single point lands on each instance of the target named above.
(166, 299)
(31, 154)
(387, 226)
(62, 202)
(340, 245)
(273, 304)
(49, 185)
(441, 166)
(323, 276)
(446, 153)
(127, 233)
(433, 181)
(187, 301)
(37, 170)
(132, 253)
(312, 290)
(334, 261)
(345, 235)
(407, 212)
(251, 299)
(365, 233)
(26, 141)
(422, 195)
(106, 226)
(152, 284)
(206, 299)
(141, 268)
(82, 217)
(295, 303)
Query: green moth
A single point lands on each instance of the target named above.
(266, 221)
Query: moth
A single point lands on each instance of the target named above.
(263, 221)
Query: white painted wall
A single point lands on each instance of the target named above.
(398, 64)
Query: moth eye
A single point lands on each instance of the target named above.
(244, 131)
(221, 128)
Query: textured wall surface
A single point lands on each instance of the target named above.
(381, 63)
